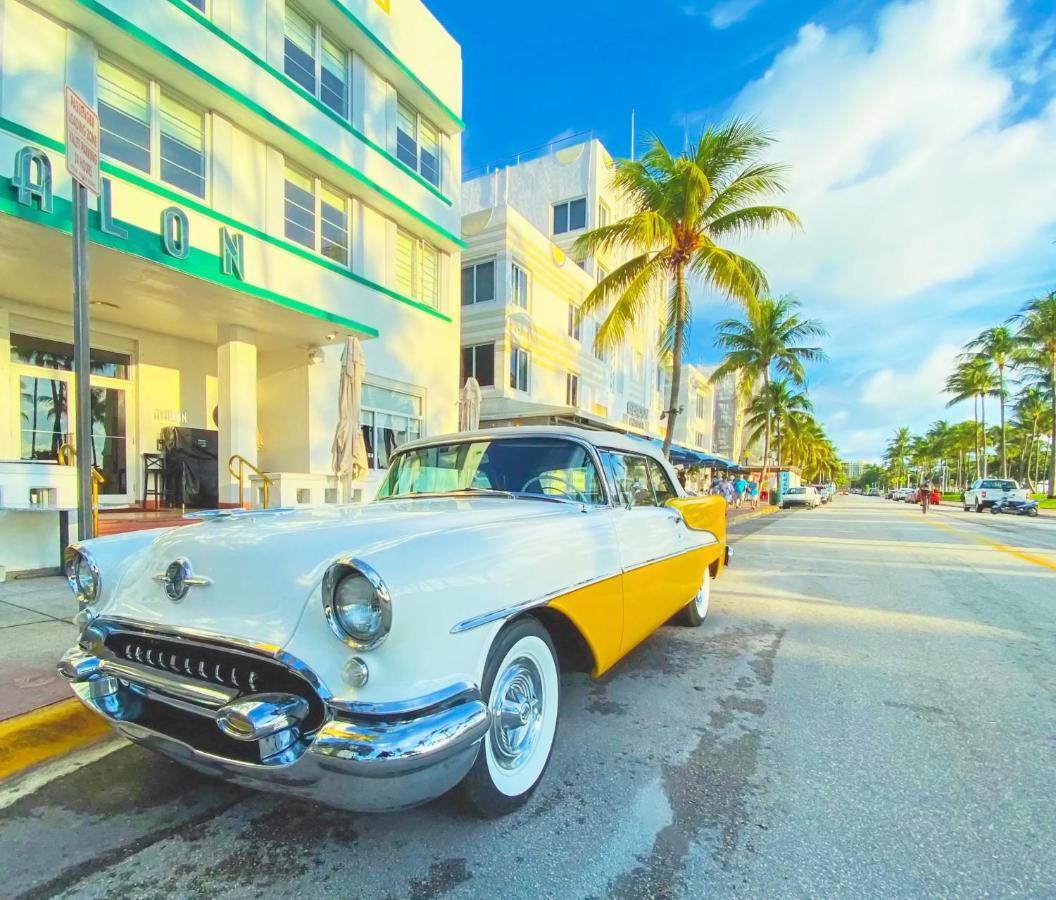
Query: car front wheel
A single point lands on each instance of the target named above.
(521, 684)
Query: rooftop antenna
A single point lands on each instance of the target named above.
(632, 134)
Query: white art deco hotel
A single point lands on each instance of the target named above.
(277, 176)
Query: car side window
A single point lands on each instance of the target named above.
(662, 487)
(630, 476)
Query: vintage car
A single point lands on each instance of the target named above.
(373, 657)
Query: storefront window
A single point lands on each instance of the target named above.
(389, 420)
(109, 454)
(44, 408)
(45, 383)
(34, 351)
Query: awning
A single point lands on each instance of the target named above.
(684, 456)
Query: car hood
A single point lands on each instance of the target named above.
(260, 568)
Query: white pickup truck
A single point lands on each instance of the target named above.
(985, 492)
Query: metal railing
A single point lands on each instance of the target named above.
(542, 150)
(65, 456)
(239, 475)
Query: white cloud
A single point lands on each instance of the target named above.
(923, 169)
(723, 14)
(905, 168)
(893, 389)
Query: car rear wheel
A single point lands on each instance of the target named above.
(521, 685)
(694, 612)
(978, 506)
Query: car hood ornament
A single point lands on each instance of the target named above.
(178, 578)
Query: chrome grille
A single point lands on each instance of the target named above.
(243, 671)
(238, 673)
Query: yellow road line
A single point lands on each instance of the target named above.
(47, 733)
(996, 545)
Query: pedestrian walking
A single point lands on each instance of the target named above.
(925, 496)
(739, 487)
(753, 493)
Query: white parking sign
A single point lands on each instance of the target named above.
(82, 141)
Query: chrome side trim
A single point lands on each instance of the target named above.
(506, 611)
(205, 515)
(462, 690)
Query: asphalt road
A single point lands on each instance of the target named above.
(869, 711)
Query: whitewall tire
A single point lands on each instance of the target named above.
(521, 686)
(694, 612)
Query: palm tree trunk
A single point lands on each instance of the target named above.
(1004, 436)
(766, 437)
(975, 434)
(1052, 436)
(676, 357)
(982, 431)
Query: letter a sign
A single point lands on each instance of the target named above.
(82, 141)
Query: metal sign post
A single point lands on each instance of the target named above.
(82, 162)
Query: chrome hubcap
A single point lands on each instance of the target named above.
(702, 596)
(517, 713)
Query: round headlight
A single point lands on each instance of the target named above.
(82, 575)
(357, 605)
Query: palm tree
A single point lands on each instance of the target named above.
(897, 453)
(684, 206)
(771, 408)
(1037, 336)
(997, 344)
(771, 336)
(1032, 412)
(975, 378)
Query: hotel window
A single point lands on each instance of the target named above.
(145, 127)
(316, 216)
(595, 349)
(570, 215)
(388, 419)
(603, 215)
(602, 274)
(417, 142)
(519, 286)
(700, 406)
(479, 361)
(478, 283)
(197, 4)
(519, 367)
(571, 389)
(575, 322)
(315, 62)
(417, 269)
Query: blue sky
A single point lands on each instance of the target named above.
(921, 135)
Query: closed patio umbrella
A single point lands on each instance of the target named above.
(349, 453)
(469, 406)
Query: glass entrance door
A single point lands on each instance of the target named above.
(46, 404)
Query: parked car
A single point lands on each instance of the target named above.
(376, 656)
(985, 492)
(1016, 507)
(805, 495)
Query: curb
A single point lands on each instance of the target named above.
(47, 733)
(755, 514)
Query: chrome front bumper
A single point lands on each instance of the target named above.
(376, 762)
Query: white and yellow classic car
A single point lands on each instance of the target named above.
(374, 657)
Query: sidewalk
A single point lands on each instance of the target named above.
(36, 629)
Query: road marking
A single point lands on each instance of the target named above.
(33, 781)
(996, 545)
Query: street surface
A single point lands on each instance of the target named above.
(869, 711)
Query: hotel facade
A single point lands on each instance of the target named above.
(277, 176)
(524, 336)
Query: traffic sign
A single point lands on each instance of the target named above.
(82, 141)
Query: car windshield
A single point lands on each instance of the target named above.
(534, 468)
(797, 490)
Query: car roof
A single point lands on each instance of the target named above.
(611, 440)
